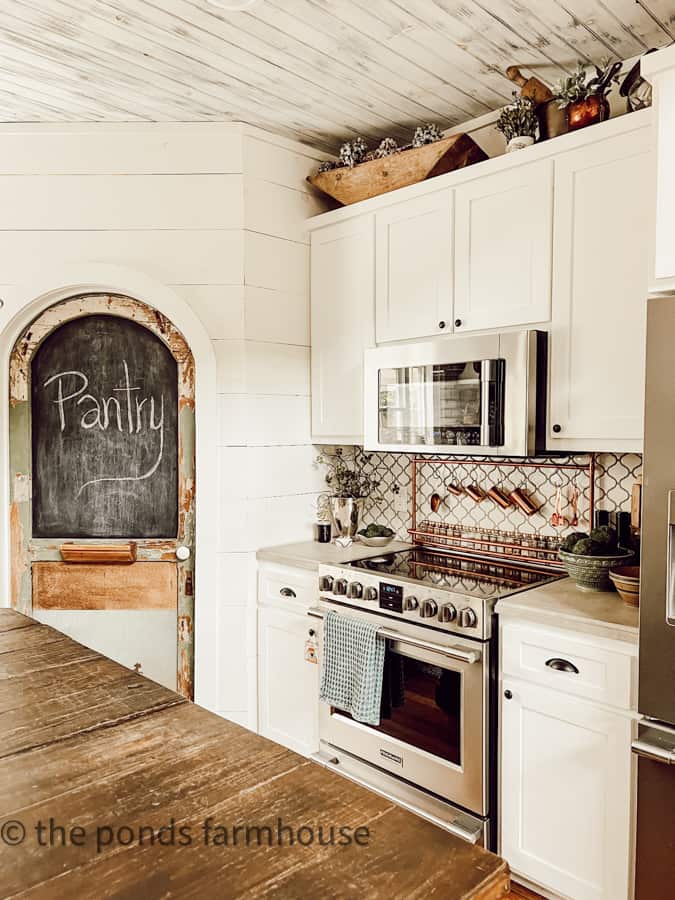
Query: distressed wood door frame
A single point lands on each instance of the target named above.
(24, 548)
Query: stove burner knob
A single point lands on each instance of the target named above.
(354, 590)
(447, 613)
(326, 583)
(340, 586)
(468, 618)
(370, 594)
(428, 609)
(410, 603)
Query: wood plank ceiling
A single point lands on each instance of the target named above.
(320, 71)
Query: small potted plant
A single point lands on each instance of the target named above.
(584, 96)
(518, 123)
(349, 486)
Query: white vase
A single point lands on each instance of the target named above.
(519, 143)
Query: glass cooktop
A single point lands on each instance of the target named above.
(453, 572)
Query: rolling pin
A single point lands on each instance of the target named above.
(532, 88)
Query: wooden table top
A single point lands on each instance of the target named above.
(126, 773)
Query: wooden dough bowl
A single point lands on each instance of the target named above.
(377, 176)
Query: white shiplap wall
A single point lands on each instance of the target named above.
(216, 212)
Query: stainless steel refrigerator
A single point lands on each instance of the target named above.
(655, 746)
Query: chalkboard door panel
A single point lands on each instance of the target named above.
(102, 450)
(104, 394)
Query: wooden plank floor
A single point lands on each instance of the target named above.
(150, 783)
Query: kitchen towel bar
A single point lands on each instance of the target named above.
(467, 656)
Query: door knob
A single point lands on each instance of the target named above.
(182, 553)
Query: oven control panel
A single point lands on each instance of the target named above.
(440, 609)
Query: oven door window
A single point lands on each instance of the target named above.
(421, 705)
(456, 404)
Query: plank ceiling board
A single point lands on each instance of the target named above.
(320, 71)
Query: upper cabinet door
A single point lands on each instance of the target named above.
(503, 226)
(601, 238)
(414, 268)
(343, 324)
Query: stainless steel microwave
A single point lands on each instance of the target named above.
(480, 395)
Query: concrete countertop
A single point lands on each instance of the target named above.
(311, 554)
(561, 604)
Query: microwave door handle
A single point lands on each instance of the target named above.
(491, 402)
(485, 403)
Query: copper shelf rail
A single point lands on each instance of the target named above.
(492, 543)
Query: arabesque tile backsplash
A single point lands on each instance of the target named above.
(615, 475)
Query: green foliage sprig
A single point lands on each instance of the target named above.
(518, 119)
(346, 477)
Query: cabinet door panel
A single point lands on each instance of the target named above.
(343, 287)
(414, 268)
(288, 684)
(601, 234)
(503, 229)
(566, 789)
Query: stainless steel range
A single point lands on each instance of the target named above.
(434, 750)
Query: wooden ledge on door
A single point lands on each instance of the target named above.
(98, 553)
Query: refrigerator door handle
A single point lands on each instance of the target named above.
(670, 570)
(656, 744)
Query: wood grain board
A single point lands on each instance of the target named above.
(141, 585)
(94, 746)
(317, 70)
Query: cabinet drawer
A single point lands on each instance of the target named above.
(550, 657)
(288, 585)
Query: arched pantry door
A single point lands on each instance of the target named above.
(102, 463)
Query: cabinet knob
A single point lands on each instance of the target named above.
(458, 323)
(312, 632)
(508, 694)
(442, 323)
(557, 429)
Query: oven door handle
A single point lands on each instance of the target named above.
(458, 653)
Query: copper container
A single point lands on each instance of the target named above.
(475, 493)
(553, 120)
(499, 497)
(587, 112)
(523, 502)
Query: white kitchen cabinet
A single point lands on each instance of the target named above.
(288, 684)
(602, 233)
(659, 69)
(503, 226)
(414, 268)
(566, 792)
(343, 325)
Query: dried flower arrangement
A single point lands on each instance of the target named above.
(352, 153)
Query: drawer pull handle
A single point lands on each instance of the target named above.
(562, 665)
(287, 592)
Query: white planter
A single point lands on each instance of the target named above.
(519, 143)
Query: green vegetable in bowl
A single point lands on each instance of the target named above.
(374, 530)
(571, 539)
(606, 536)
(588, 547)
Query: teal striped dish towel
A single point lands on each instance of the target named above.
(352, 665)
